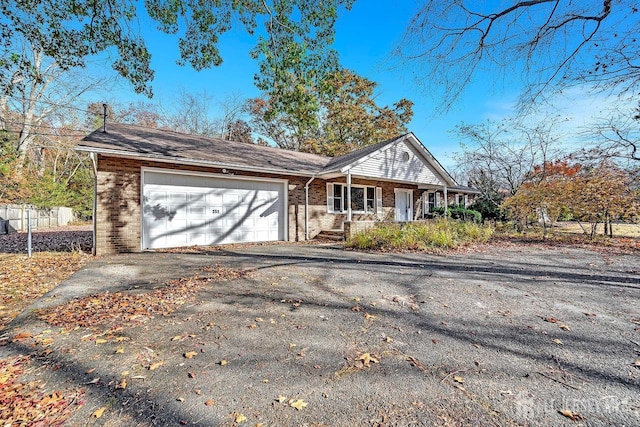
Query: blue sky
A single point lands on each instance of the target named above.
(365, 38)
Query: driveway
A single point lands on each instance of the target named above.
(313, 335)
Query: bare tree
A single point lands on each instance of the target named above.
(497, 157)
(42, 92)
(553, 43)
(233, 109)
(193, 114)
(615, 137)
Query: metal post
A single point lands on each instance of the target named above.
(29, 232)
(349, 196)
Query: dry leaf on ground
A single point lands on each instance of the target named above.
(367, 359)
(298, 404)
(574, 416)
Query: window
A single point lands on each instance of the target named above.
(363, 198)
(458, 199)
(337, 197)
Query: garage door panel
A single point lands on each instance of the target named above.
(199, 210)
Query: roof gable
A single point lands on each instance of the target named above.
(403, 158)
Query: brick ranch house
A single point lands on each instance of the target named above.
(158, 189)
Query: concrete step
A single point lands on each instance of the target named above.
(335, 234)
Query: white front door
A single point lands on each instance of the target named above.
(404, 204)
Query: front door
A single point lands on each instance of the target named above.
(404, 205)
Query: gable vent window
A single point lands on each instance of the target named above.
(404, 156)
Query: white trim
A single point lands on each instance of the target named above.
(349, 212)
(284, 182)
(330, 198)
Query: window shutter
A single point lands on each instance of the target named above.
(437, 200)
(425, 204)
(379, 212)
(329, 197)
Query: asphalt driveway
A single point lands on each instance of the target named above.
(312, 335)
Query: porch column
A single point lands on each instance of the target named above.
(349, 196)
(446, 200)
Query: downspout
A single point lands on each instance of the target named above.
(306, 207)
(94, 162)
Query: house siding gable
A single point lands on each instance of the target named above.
(390, 164)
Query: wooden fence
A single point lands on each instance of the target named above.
(13, 218)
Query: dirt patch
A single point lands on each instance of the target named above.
(505, 335)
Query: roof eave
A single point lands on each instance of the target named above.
(191, 162)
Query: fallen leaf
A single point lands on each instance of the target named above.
(90, 370)
(367, 358)
(122, 385)
(98, 412)
(298, 404)
(550, 319)
(239, 418)
(190, 354)
(388, 339)
(119, 350)
(94, 381)
(176, 338)
(636, 362)
(155, 365)
(573, 416)
(101, 341)
(138, 377)
(369, 316)
(259, 319)
(564, 327)
(180, 399)
(557, 341)
(209, 402)
(191, 374)
(222, 362)
(458, 379)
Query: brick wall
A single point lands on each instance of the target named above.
(118, 227)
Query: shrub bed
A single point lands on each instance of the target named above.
(442, 233)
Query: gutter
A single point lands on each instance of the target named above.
(94, 162)
(306, 207)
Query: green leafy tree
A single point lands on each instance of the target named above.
(351, 117)
(71, 31)
(346, 118)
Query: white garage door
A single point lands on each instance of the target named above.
(187, 210)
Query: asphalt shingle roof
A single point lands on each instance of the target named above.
(151, 143)
(158, 143)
